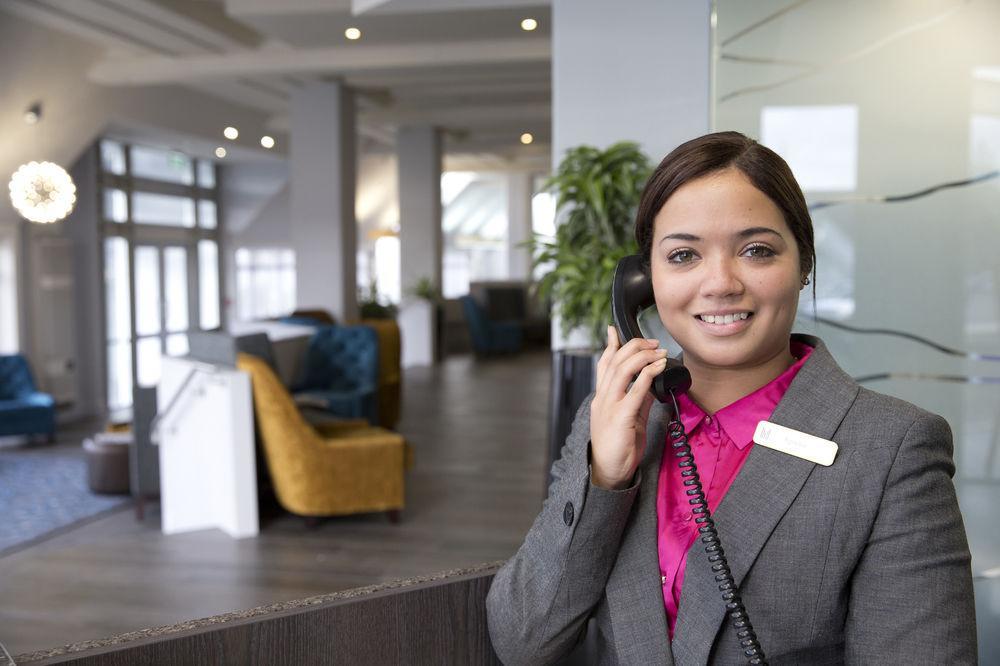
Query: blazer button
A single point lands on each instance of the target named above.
(568, 514)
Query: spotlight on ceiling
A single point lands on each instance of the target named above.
(230, 133)
(267, 141)
(33, 113)
(529, 24)
(220, 152)
(527, 138)
(352, 34)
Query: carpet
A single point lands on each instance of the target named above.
(43, 491)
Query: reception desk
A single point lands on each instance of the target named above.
(436, 619)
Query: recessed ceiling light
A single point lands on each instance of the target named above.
(33, 113)
(230, 132)
(526, 138)
(266, 141)
(352, 33)
(220, 152)
(529, 24)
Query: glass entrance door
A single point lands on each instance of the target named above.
(162, 307)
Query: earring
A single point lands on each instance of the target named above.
(805, 280)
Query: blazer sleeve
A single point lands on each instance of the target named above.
(539, 602)
(911, 598)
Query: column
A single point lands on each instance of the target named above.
(420, 239)
(519, 191)
(639, 74)
(322, 183)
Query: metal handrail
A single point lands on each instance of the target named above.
(5, 658)
(157, 422)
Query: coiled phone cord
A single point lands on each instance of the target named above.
(710, 537)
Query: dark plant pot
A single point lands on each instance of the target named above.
(573, 378)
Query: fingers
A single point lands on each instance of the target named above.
(615, 357)
(625, 371)
(647, 403)
(644, 382)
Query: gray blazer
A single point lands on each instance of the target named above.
(865, 561)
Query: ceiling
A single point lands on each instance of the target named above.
(465, 66)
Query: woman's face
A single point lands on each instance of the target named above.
(726, 272)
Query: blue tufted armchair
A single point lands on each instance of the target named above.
(490, 337)
(23, 410)
(341, 372)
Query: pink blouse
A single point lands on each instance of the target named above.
(721, 444)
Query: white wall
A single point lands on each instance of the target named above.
(632, 71)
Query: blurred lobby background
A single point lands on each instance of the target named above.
(254, 175)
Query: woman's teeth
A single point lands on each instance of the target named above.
(724, 319)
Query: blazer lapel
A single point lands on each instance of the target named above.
(816, 402)
(634, 593)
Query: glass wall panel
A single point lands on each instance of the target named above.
(148, 358)
(147, 290)
(177, 344)
(162, 209)
(474, 223)
(206, 173)
(119, 374)
(206, 214)
(175, 282)
(889, 115)
(208, 284)
(115, 205)
(118, 308)
(265, 283)
(8, 292)
(165, 165)
(113, 157)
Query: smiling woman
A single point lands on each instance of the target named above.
(861, 557)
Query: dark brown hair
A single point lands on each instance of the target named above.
(714, 152)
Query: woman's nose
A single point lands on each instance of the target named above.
(721, 279)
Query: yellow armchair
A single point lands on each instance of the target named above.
(342, 468)
(390, 373)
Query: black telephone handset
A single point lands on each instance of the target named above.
(631, 293)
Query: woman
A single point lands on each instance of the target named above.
(861, 561)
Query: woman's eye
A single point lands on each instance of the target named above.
(680, 256)
(759, 252)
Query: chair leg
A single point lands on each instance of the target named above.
(395, 516)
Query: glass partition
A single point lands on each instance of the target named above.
(889, 115)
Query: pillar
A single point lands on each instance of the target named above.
(322, 182)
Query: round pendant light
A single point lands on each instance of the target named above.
(42, 192)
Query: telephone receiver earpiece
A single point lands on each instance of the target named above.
(631, 293)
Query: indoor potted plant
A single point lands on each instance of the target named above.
(597, 193)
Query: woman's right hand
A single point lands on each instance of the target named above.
(618, 412)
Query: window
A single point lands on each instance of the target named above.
(8, 293)
(265, 283)
(163, 165)
(161, 260)
(474, 223)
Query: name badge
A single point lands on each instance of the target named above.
(795, 443)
